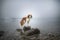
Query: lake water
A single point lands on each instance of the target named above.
(45, 25)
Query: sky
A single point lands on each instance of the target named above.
(45, 13)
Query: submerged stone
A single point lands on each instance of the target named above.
(1, 33)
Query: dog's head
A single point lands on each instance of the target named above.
(29, 16)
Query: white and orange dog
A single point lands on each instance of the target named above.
(25, 20)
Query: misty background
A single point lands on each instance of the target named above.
(45, 14)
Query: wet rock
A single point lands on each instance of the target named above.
(19, 30)
(32, 32)
(26, 28)
(51, 35)
(1, 33)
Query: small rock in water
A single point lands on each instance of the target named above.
(1, 33)
(19, 30)
(51, 35)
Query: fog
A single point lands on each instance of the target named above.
(45, 14)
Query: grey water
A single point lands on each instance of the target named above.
(44, 25)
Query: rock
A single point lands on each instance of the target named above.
(51, 35)
(19, 30)
(32, 32)
(1, 33)
(26, 28)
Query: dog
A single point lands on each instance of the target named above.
(25, 20)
